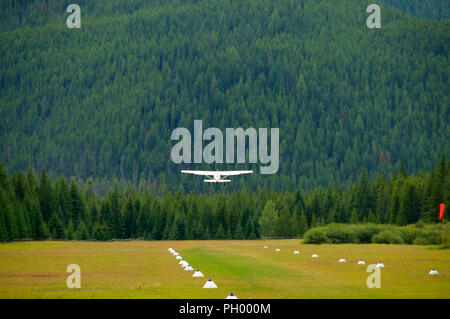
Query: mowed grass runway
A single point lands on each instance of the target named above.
(145, 269)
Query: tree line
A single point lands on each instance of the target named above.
(39, 208)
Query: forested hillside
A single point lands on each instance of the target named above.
(435, 9)
(102, 101)
(35, 207)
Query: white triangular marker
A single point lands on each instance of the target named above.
(210, 284)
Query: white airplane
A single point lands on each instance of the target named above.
(216, 176)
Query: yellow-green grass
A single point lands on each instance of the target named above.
(145, 269)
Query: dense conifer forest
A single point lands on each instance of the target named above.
(100, 102)
(87, 115)
(35, 207)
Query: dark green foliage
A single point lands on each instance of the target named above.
(56, 227)
(103, 100)
(70, 232)
(302, 224)
(316, 236)
(100, 232)
(428, 237)
(82, 232)
(436, 9)
(220, 234)
(267, 220)
(420, 234)
(129, 217)
(82, 214)
(387, 237)
(45, 196)
(341, 234)
(239, 234)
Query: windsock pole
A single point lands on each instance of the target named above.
(441, 217)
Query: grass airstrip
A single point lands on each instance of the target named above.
(145, 269)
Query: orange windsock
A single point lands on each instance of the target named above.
(441, 212)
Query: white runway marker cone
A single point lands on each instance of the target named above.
(231, 296)
(361, 262)
(278, 249)
(380, 265)
(296, 252)
(433, 272)
(197, 273)
(210, 284)
(342, 260)
(315, 256)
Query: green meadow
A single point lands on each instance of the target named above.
(145, 269)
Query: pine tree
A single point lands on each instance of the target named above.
(78, 212)
(395, 203)
(267, 219)
(4, 236)
(63, 203)
(43, 232)
(100, 232)
(302, 225)
(207, 234)
(56, 227)
(372, 218)
(238, 233)
(23, 222)
(129, 219)
(282, 225)
(220, 233)
(354, 217)
(45, 196)
(331, 217)
(82, 232)
(12, 231)
(70, 231)
(313, 221)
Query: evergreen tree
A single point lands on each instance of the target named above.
(238, 233)
(70, 231)
(55, 227)
(302, 224)
(282, 227)
(220, 233)
(82, 232)
(267, 219)
(354, 217)
(45, 196)
(129, 217)
(313, 221)
(12, 231)
(77, 205)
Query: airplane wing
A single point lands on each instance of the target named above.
(232, 173)
(222, 173)
(204, 173)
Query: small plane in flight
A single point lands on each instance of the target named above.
(216, 176)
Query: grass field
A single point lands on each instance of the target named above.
(145, 269)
